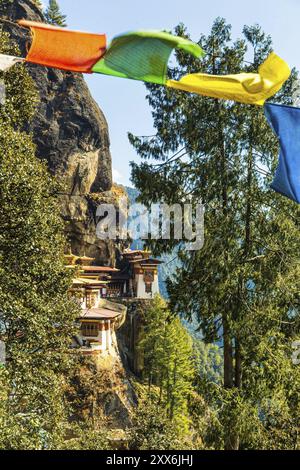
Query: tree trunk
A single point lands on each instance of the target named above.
(228, 359)
(238, 365)
(232, 438)
(232, 441)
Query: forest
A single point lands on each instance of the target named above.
(217, 345)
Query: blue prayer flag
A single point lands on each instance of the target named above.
(285, 121)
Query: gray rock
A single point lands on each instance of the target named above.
(71, 133)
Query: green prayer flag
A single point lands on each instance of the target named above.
(143, 55)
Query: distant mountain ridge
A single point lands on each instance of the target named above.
(170, 261)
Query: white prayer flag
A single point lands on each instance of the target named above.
(7, 61)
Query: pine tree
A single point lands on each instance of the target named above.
(243, 285)
(167, 350)
(36, 315)
(38, 3)
(54, 16)
(152, 429)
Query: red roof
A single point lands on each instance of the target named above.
(149, 261)
(99, 314)
(136, 252)
(99, 269)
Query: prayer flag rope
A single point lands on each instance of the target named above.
(144, 55)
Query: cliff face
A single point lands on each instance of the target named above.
(130, 335)
(71, 133)
(100, 390)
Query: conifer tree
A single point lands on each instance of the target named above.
(54, 15)
(167, 350)
(152, 429)
(36, 315)
(243, 286)
(38, 3)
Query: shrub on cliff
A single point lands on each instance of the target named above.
(36, 315)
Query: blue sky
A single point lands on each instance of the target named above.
(123, 101)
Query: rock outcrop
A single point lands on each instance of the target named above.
(104, 390)
(71, 133)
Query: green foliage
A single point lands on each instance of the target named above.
(38, 3)
(206, 428)
(20, 95)
(243, 286)
(87, 436)
(167, 350)
(152, 429)
(54, 16)
(208, 361)
(36, 315)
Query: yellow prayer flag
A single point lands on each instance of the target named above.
(249, 88)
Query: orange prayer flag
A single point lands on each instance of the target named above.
(64, 49)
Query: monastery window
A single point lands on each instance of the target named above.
(148, 288)
(90, 329)
(91, 300)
